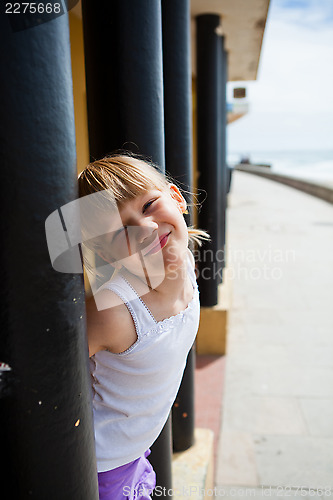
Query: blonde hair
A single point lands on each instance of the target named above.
(123, 177)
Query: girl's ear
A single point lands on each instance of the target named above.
(178, 197)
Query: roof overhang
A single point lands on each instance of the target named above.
(242, 24)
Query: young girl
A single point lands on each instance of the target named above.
(143, 321)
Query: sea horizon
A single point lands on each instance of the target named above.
(313, 164)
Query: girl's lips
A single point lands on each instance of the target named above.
(157, 246)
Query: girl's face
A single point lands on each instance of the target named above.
(152, 235)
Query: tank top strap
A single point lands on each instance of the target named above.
(191, 271)
(142, 317)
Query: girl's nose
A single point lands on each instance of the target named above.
(145, 228)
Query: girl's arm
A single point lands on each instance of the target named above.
(110, 329)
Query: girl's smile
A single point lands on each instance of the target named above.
(157, 244)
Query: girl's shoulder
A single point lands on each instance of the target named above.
(109, 323)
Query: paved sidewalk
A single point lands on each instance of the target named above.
(277, 419)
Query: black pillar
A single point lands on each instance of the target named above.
(177, 89)
(183, 414)
(46, 430)
(224, 175)
(178, 157)
(123, 53)
(209, 111)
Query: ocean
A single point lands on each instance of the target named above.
(315, 166)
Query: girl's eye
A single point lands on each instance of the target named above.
(147, 205)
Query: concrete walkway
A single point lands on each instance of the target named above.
(276, 437)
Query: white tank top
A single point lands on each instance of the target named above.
(133, 391)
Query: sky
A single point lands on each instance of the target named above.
(291, 102)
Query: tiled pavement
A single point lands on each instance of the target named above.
(276, 434)
(209, 380)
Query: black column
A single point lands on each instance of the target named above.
(123, 53)
(46, 430)
(177, 89)
(178, 156)
(224, 175)
(209, 111)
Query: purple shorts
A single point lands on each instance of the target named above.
(132, 481)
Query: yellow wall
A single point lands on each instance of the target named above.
(80, 101)
(79, 91)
